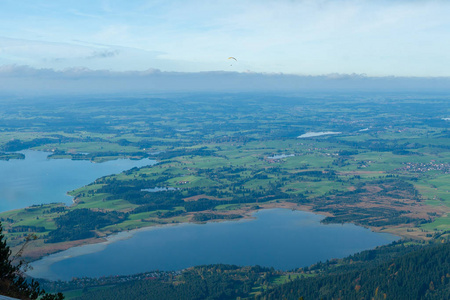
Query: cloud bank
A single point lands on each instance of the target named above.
(25, 80)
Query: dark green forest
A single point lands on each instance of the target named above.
(424, 274)
(79, 224)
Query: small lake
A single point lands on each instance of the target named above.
(314, 134)
(37, 179)
(279, 238)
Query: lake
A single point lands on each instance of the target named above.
(37, 179)
(279, 238)
(315, 134)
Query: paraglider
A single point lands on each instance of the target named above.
(231, 57)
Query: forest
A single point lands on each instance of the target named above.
(423, 274)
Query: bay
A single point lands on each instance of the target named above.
(36, 179)
(279, 238)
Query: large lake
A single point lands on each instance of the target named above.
(279, 238)
(37, 179)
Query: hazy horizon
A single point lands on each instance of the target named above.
(24, 80)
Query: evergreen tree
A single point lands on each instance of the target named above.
(13, 283)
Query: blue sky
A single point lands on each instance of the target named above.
(377, 38)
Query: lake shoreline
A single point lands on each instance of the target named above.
(50, 267)
(41, 251)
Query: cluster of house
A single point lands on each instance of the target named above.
(87, 281)
(426, 167)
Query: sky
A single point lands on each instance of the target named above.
(296, 37)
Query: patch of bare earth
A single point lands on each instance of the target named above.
(203, 196)
(352, 173)
(373, 188)
(38, 249)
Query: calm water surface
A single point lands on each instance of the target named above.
(37, 179)
(278, 238)
(314, 134)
